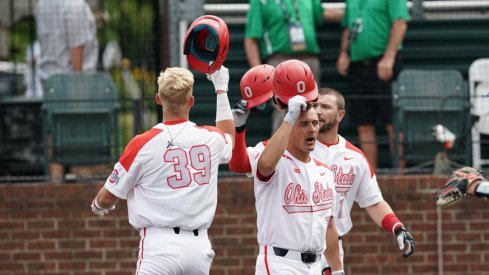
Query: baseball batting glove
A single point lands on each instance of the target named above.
(98, 210)
(240, 115)
(457, 185)
(220, 79)
(296, 104)
(404, 237)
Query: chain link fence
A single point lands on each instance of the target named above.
(138, 38)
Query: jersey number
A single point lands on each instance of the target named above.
(340, 213)
(200, 161)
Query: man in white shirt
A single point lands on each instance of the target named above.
(168, 175)
(355, 179)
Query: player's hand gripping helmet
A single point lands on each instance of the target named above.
(206, 44)
(290, 78)
(256, 85)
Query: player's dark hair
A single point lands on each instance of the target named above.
(340, 100)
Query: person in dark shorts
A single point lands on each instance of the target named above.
(369, 55)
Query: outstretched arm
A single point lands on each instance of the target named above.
(239, 161)
(224, 117)
(382, 214)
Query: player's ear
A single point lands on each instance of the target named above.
(341, 115)
(158, 99)
(191, 101)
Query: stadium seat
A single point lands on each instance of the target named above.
(421, 100)
(80, 118)
(479, 98)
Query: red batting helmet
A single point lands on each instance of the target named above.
(207, 40)
(256, 85)
(293, 77)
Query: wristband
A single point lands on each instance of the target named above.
(95, 203)
(223, 109)
(390, 223)
(338, 272)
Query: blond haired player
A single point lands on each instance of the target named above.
(355, 180)
(168, 175)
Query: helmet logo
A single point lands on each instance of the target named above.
(301, 87)
(248, 92)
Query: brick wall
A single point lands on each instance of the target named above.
(49, 229)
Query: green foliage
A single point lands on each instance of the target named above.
(22, 34)
(130, 24)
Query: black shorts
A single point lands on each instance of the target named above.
(371, 98)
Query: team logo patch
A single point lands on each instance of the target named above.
(114, 177)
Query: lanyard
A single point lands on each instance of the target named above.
(286, 14)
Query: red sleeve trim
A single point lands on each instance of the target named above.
(132, 149)
(213, 129)
(240, 162)
(263, 178)
(356, 149)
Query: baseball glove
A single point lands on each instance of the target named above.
(456, 187)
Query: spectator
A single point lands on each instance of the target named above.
(278, 30)
(67, 35)
(369, 55)
(32, 79)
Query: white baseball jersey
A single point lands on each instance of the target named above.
(353, 177)
(295, 204)
(171, 185)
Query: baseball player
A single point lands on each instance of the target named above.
(168, 175)
(294, 192)
(355, 180)
(295, 197)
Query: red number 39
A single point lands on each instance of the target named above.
(194, 165)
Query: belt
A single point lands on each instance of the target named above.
(306, 257)
(177, 231)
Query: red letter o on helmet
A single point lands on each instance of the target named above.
(293, 77)
(256, 85)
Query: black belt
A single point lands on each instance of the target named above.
(306, 257)
(177, 231)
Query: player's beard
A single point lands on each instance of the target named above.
(327, 126)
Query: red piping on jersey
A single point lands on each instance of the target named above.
(356, 149)
(174, 122)
(329, 144)
(140, 261)
(132, 149)
(213, 129)
(266, 260)
(319, 163)
(239, 161)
